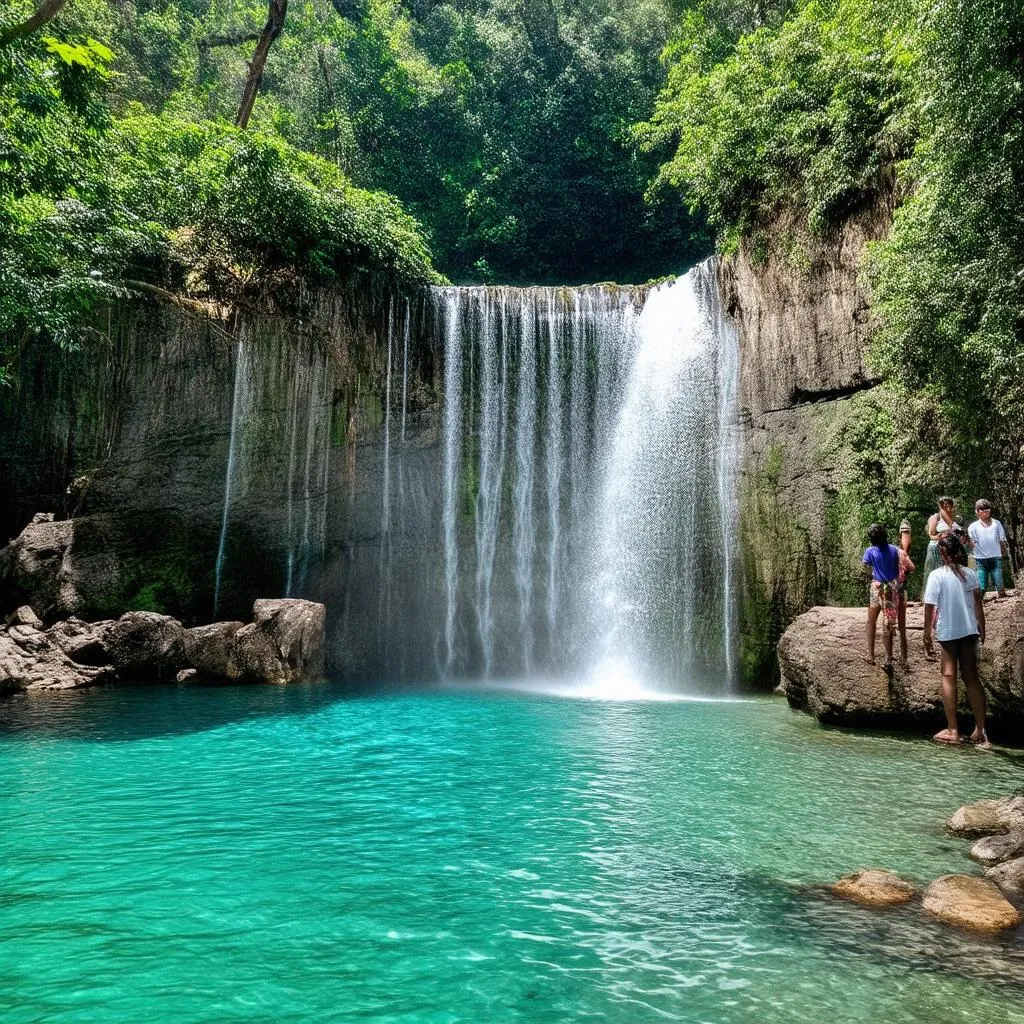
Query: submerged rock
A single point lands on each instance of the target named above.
(875, 888)
(967, 901)
(987, 817)
(824, 672)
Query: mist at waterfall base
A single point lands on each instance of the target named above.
(561, 513)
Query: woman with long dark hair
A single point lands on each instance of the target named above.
(952, 604)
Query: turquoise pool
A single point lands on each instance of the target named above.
(229, 854)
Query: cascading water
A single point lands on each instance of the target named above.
(562, 504)
(618, 501)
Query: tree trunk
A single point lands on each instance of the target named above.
(275, 23)
(46, 12)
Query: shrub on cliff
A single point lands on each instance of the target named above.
(235, 208)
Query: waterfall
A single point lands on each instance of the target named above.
(617, 503)
(451, 439)
(238, 393)
(276, 481)
(566, 507)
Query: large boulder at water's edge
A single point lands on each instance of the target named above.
(68, 656)
(995, 849)
(146, 645)
(824, 671)
(970, 902)
(283, 644)
(987, 817)
(875, 888)
(210, 649)
(1009, 876)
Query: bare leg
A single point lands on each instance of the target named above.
(887, 632)
(951, 734)
(975, 692)
(901, 618)
(873, 611)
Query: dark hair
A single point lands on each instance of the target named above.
(983, 503)
(877, 535)
(946, 500)
(952, 548)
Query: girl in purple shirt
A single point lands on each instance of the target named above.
(886, 561)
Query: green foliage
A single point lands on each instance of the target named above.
(503, 127)
(91, 201)
(797, 114)
(948, 284)
(56, 233)
(237, 208)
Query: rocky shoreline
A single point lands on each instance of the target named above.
(284, 643)
(825, 674)
(991, 903)
(58, 650)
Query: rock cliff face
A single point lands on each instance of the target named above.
(808, 408)
(213, 460)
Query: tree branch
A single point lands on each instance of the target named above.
(277, 9)
(46, 12)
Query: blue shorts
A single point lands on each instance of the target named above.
(989, 569)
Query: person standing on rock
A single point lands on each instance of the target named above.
(941, 522)
(953, 606)
(990, 547)
(886, 562)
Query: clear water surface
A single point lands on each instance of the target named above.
(206, 855)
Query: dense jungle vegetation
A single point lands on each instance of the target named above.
(211, 147)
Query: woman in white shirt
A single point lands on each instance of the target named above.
(952, 602)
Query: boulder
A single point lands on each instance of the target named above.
(987, 817)
(24, 616)
(995, 849)
(821, 660)
(34, 570)
(31, 659)
(875, 888)
(283, 644)
(1009, 876)
(210, 649)
(967, 901)
(146, 646)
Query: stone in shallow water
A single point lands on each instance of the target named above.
(987, 817)
(875, 888)
(967, 901)
(1009, 876)
(995, 849)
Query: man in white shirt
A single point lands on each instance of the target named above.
(990, 547)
